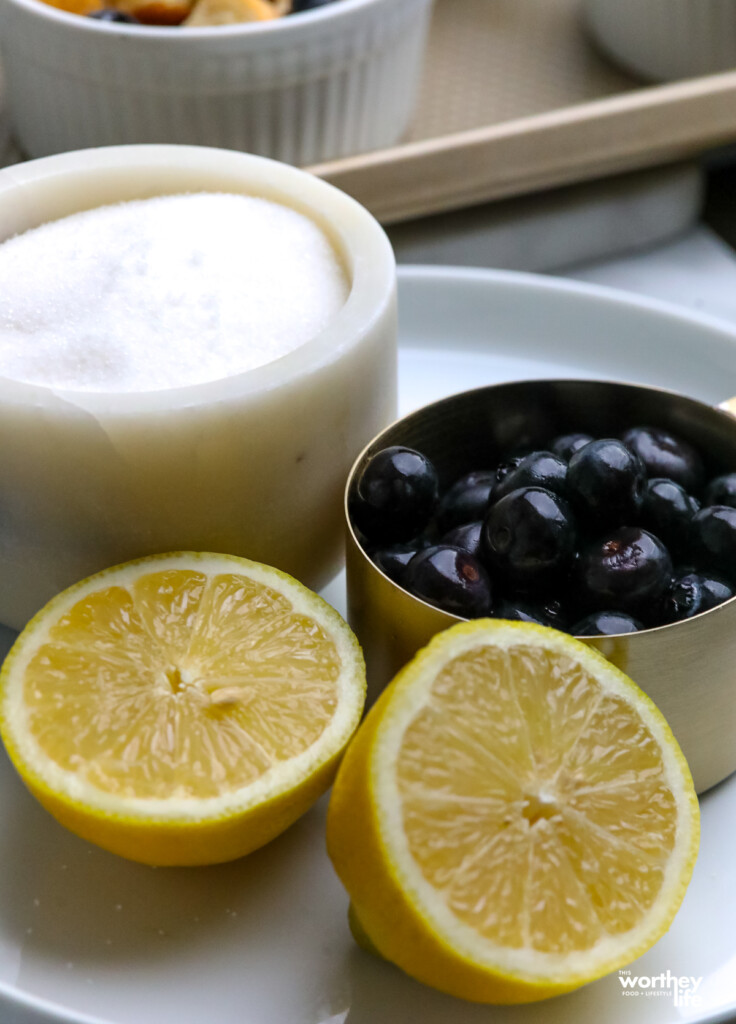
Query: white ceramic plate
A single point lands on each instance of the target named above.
(85, 936)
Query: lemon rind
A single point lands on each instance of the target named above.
(48, 780)
(528, 967)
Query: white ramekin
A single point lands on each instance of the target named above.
(664, 40)
(252, 465)
(327, 83)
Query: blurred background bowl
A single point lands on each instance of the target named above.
(687, 668)
(664, 40)
(338, 80)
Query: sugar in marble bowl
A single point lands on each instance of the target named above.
(194, 345)
(164, 292)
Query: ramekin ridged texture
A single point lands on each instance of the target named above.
(329, 83)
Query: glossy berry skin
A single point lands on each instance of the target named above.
(529, 536)
(451, 579)
(691, 593)
(721, 490)
(715, 591)
(714, 540)
(539, 469)
(606, 484)
(393, 560)
(110, 14)
(504, 468)
(565, 446)
(667, 511)
(395, 496)
(606, 624)
(308, 5)
(466, 500)
(466, 537)
(665, 455)
(628, 570)
(548, 614)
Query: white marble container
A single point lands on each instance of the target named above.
(254, 464)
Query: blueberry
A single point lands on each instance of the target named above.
(667, 510)
(721, 490)
(298, 6)
(539, 469)
(110, 14)
(548, 614)
(606, 483)
(466, 537)
(565, 446)
(393, 560)
(395, 496)
(691, 593)
(714, 540)
(606, 624)
(663, 454)
(451, 579)
(529, 535)
(627, 571)
(715, 591)
(506, 467)
(466, 500)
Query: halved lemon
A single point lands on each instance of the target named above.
(183, 708)
(514, 817)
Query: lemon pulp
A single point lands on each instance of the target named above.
(187, 690)
(544, 819)
(531, 821)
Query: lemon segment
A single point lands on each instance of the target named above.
(182, 708)
(514, 818)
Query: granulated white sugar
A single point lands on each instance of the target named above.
(165, 292)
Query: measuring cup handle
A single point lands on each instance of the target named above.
(728, 406)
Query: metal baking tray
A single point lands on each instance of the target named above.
(515, 99)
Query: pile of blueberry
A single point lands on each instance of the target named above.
(594, 537)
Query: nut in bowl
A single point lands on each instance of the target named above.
(684, 666)
(95, 475)
(308, 87)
